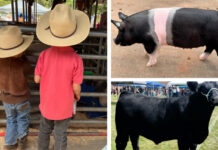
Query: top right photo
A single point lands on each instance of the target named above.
(164, 39)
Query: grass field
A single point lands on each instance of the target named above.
(211, 143)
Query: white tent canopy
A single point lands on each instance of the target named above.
(177, 83)
(181, 82)
(7, 8)
(139, 82)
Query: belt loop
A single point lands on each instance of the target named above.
(4, 93)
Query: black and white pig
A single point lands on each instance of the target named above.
(181, 27)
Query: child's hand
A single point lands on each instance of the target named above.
(76, 90)
(77, 98)
(37, 79)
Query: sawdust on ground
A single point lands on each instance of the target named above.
(74, 142)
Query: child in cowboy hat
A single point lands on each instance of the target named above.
(59, 71)
(14, 90)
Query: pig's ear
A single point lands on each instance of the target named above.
(122, 16)
(116, 23)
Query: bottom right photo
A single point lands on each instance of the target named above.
(164, 115)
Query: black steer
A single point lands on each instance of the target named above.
(184, 118)
(181, 27)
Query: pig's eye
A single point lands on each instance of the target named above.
(131, 30)
(122, 29)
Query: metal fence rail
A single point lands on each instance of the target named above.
(85, 77)
(33, 29)
(103, 122)
(96, 57)
(87, 94)
(79, 109)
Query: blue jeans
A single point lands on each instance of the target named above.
(18, 119)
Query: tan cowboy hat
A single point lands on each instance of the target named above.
(63, 26)
(12, 42)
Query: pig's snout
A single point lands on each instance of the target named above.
(116, 41)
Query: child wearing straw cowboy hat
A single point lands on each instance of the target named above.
(14, 90)
(59, 71)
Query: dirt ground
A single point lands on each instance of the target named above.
(74, 142)
(172, 62)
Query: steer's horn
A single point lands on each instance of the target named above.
(116, 23)
(122, 16)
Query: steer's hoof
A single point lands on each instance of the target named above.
(204, 56)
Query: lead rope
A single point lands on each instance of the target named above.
(207, 95)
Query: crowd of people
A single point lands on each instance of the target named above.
(173, 91)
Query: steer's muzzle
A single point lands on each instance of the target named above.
(215, 100)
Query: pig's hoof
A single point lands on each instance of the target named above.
(146, 54)
(204, 56)
(150, 64)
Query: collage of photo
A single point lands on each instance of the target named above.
(108, 75)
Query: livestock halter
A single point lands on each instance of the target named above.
(208, 93)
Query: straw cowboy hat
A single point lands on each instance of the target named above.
(63, 26)
(12, 42)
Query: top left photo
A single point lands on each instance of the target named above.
(53, 74)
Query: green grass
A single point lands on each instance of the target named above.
(4, 2)
(209, 144)
(114, 98)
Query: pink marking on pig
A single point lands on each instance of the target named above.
(160, 21)
(152, 58)
(204, 56)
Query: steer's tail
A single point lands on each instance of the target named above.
(121, 124)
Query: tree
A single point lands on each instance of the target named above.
(4, 2)
(46, 3)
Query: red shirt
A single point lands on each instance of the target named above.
(59, 68)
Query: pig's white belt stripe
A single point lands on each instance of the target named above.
(160, 23)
